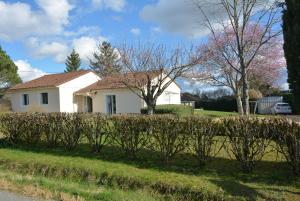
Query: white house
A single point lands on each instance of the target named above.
(84, 91)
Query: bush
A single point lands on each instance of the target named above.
(225, 104)
(181, 110)
(287, 136)
(97, 129)
(33, 128)
(169, 135)
(202, 132)
(12, 126)
(53, 128)
(131, 133)
(248, 139)
(71, 129)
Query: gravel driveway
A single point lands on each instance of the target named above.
(7, 196)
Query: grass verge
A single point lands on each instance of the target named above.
(221, 179)
(66, 190)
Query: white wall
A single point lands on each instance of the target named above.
(68, 101)
(129, 102)
(126, 101)
(171, 96)
(35, 104)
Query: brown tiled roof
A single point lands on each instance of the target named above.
(117, 81)
(52, 80)
(189, 97)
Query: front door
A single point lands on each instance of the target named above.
(111, 104)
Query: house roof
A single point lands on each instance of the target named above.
(117, 81)
(52, 80)
(189, 97)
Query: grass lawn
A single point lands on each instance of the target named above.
(65, 190)
(211, 113)
(106, 173)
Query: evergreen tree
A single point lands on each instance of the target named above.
(291, 30)
(73, 62)
(8, 72)
(105, 60)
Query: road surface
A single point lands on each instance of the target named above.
(7, 196)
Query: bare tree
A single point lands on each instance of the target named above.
(149, 69)
(239, 15)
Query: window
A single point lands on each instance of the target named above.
(44, 98)
(111, 104)
(25, 99)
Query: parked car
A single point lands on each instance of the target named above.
(281, 108)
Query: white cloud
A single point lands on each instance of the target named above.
(156, 30)
(57, 50)
(177, 16)
(85, 46)
(184, 17)
(19, 20)
(83, 31)
(27, 72)
(116, 5)
(135, 31)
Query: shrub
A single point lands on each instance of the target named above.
(181, 110)
(97, 129)
(53, 128)
(12, 126)
(131, 133)
(5, 105)
(169, 135)
(202, 132)
(248, 139)
(226, 104)
(71, 129)
(33, 128)
(287, 136)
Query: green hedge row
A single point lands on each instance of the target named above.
(245, 138)
(181, 110)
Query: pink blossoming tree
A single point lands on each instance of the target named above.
(220, 63)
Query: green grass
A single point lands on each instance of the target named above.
(211, 113)
(272, 177)
(183, 110)
(180, 110)
(55, 187)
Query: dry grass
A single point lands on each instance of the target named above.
(35, 191)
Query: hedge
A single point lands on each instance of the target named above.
(181, 110)
(246, 137)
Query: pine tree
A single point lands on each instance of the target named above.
(8, 72)
(291, 30)
(73, 62)
(105, 60)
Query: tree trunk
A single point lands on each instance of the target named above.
(239, 103)
(245, 98)
(150, 109)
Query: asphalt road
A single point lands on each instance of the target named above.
(7, 196)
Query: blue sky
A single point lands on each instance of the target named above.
(39, 34)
